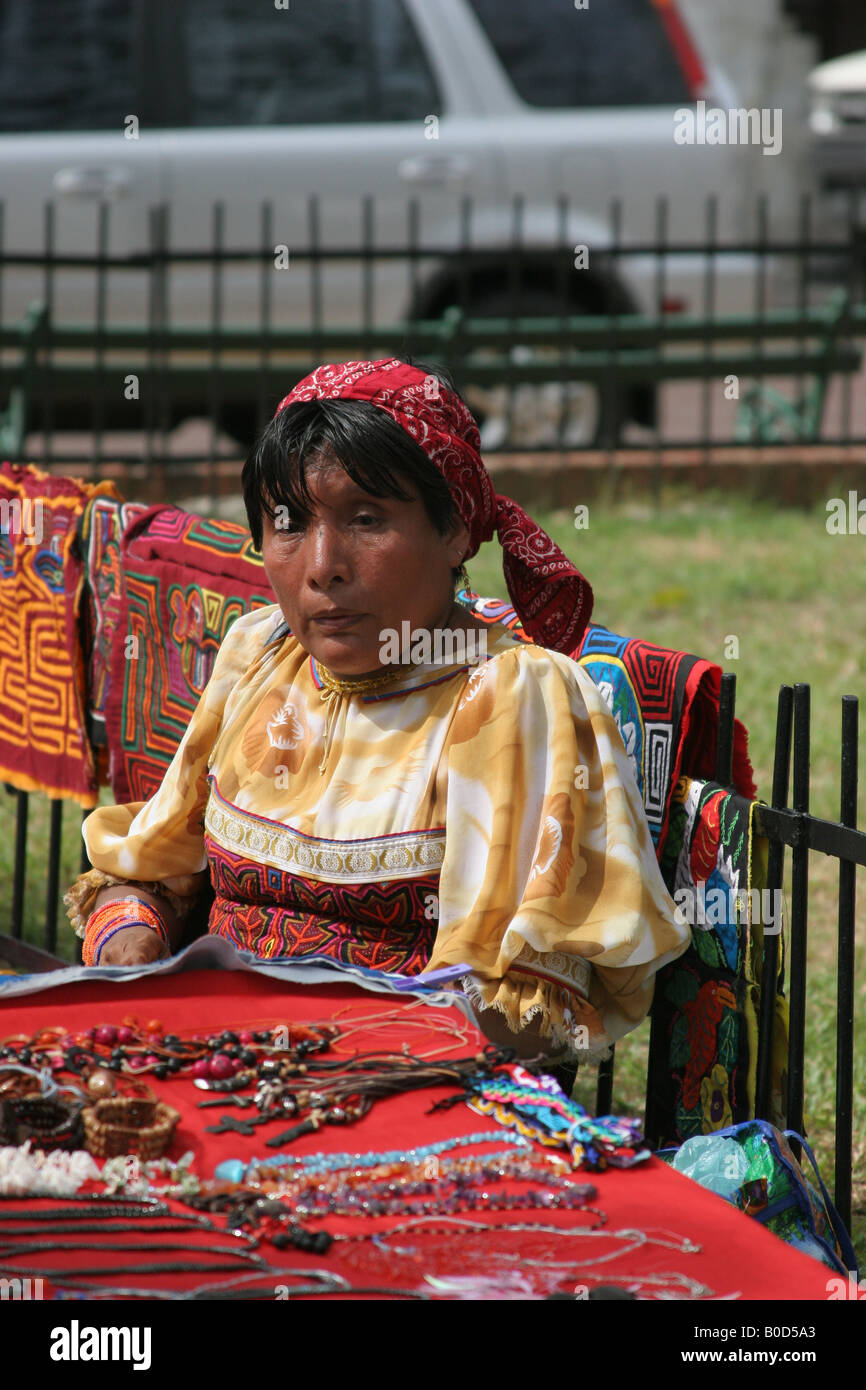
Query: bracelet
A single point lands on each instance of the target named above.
(112, 917)
(79, 898)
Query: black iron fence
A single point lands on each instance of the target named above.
(677, 342)
(782, 824)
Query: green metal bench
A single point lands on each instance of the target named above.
(243, 365)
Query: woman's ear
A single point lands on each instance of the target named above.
(458, 537)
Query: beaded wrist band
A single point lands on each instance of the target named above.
(115, 916)
(80, 896)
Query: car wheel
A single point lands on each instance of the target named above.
(573, 414)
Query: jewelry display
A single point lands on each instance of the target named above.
(459, 1217)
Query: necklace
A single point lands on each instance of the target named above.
(356, 685)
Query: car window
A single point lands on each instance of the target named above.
(613, 53)
(314, 62)
(66, 66)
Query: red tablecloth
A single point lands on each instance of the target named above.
(736, 1257)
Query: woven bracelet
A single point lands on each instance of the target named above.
(105, 921)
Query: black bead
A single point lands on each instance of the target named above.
(117, 1057)
(229, 1038)
(174, 1064)
(161, 1070)
(261, 1037)
(24, 1056)
(248, 1057)
(321, 1242)
(281, 1239)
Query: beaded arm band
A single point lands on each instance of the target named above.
(115, 916)
(80, 897)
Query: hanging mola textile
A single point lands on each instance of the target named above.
(185, 579)
(43, 737)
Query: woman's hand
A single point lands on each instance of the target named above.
(133, 945)
(530, 1042)
(137, 944)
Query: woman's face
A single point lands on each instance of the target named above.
(379, 559)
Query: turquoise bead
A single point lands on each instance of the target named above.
(231, 1170)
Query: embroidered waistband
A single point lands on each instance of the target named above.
(333, 861)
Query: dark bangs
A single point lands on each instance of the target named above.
(376, 453)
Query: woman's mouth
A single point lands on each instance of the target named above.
(337, 622)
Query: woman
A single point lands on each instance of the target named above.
(399, 809)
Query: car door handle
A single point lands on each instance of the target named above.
(435, 168)
(92, 183)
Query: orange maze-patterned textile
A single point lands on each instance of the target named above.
(185, 580)
(43, 742)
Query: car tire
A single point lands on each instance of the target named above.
(593, 417)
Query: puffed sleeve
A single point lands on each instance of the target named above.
(550, 888)
(159, 844)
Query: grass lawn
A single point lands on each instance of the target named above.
(693, 573)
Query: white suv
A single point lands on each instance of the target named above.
(340, 113)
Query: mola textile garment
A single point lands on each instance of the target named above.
(185, 580)
(707, 1003)
(100, 528)
(43, 739)
(665, 704)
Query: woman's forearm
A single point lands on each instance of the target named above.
(162, 905)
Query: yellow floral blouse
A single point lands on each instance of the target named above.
(484, 815)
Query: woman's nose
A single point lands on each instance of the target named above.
(326, 556)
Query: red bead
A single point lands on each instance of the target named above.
(201, 1067)
(151, 1059)
(124, 1035)
(105, 1033)
(246, 1037)
(221, 1067)
(154, 1026)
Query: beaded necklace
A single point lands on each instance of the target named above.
(233, 1170)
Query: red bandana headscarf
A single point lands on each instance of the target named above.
(551, 597)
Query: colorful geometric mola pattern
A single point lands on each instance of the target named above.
(185, 581)
(707, 1002)
(43, 737)
(666, 706)
(270, 912)
(665, 703)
